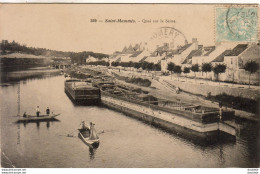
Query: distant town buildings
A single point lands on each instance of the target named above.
(233, 55)
(61, 62)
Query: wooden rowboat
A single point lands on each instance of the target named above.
(89, 136)
(34, 118)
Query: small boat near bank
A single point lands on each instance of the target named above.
(34, 118)
(88, 135)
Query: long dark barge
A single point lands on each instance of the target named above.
(189, 120)
(81, 92)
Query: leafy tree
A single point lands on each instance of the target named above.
(251, 67)
(115, 64)
(150, 66)
(144, 65)
(206, 67)
(130, 64)
(137, 65)
(219, 68)
(170, 67)
(195, 68)
(177, 70)
(186, 71)
(157, 67)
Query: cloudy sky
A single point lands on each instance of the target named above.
(67, 27)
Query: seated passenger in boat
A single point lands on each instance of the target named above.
(24, 114)
(85, 130)
(84, 125)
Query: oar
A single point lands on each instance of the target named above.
(68, 135)
(16, 116)
(101, 132)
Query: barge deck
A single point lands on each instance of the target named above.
(205, 126)
(81, 92)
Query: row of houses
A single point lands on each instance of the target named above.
(234, 55)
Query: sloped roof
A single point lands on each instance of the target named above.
(163, 49)
(143, 59)
(220, 58)
(197, 52)
(209, 50)
(187, 61)
(183, 48)
(136, 53)
(124, 50)
(238, 50)
(136, 47)
(130, 49)
(159, 50)
(118, 60)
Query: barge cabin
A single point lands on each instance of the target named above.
(81, 92)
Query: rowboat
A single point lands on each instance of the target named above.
(89, 136)
(34, 118)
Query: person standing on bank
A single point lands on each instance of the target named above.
(37, 111)
(48, 111)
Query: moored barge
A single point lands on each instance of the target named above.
(201, 124)
(81, 92)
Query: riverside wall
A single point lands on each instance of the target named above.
(204, 89)
(181, 126)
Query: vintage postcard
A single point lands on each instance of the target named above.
(129, 86)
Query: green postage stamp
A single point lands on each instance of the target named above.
(236, 23)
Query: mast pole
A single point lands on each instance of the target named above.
(18, 99)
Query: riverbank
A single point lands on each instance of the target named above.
(160, 88)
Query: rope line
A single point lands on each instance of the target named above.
(10, 162)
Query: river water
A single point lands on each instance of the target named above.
(125, 142)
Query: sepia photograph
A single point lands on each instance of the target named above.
(129, 85)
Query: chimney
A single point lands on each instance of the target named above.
(195, 43)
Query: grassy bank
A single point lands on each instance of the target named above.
(138, 81)
(237, 102)
(76, 74)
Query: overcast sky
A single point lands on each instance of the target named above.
(67, 27)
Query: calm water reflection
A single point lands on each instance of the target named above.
(125, 142)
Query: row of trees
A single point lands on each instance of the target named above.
(206, 67)
(101, 62)
(251, 67)
(149, 66)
